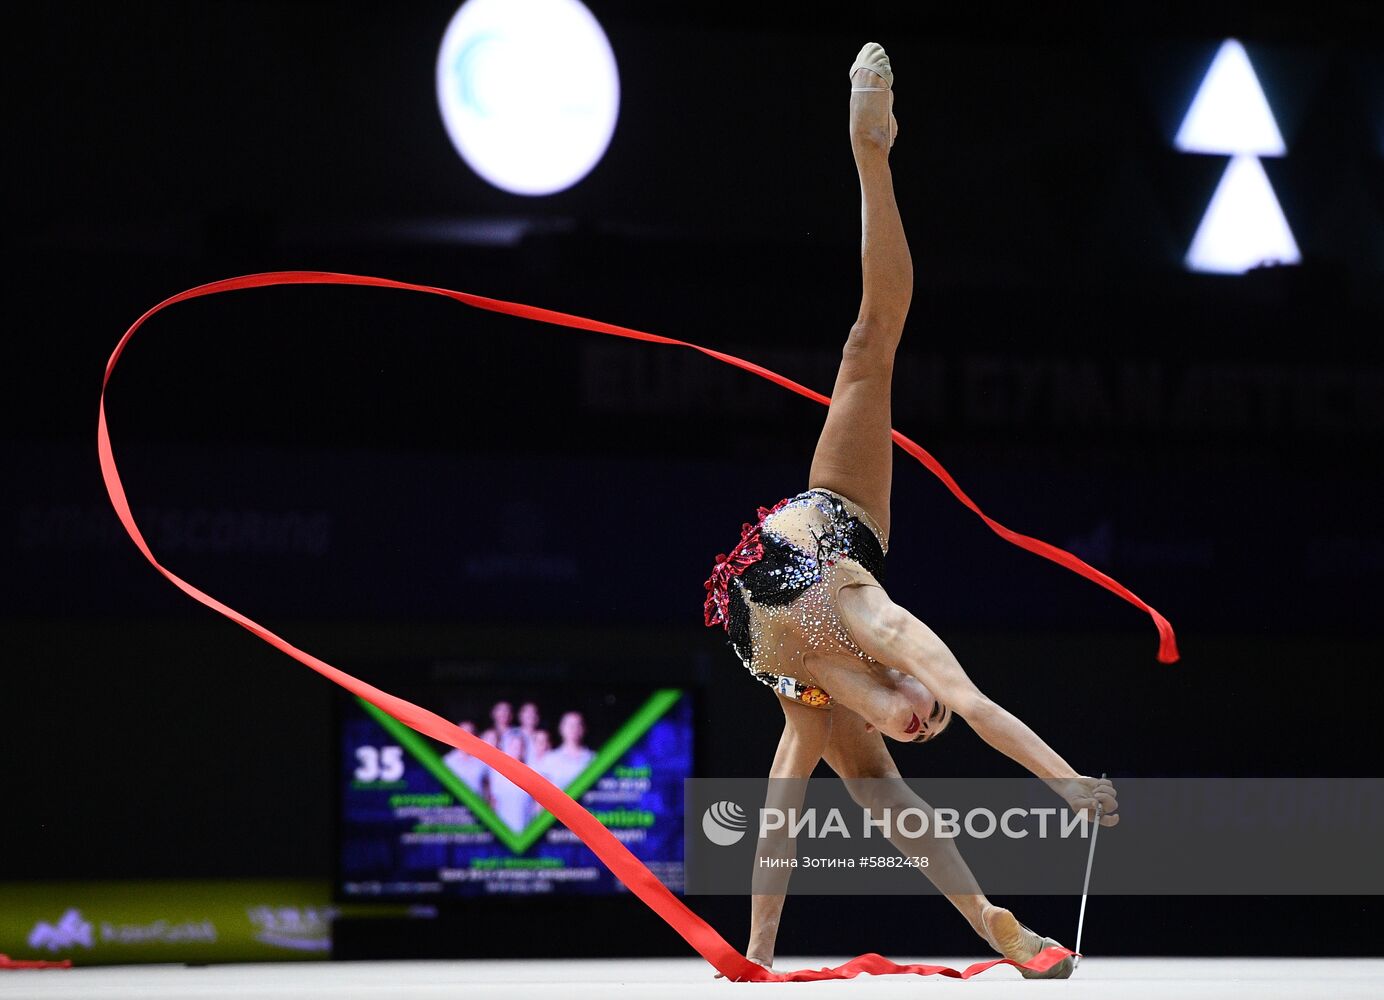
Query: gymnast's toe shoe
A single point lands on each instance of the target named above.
(871, 68)
(1016, 942)
(873, 57)
(1061, 970)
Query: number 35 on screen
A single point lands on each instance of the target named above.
(379, 763)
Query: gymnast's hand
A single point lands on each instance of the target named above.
(1083, 795)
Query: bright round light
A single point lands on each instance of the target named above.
(529, 92)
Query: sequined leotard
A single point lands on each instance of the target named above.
(775, 592)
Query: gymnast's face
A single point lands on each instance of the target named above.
(908, 712)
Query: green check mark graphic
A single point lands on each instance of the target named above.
(521, 840)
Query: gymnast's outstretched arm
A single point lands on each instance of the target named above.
(894, 636)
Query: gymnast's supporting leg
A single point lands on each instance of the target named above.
(892, 635)
(864, 763)
(855, 454)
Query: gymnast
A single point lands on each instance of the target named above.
(801, 600)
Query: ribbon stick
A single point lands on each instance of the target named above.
(1086, 885)
(611, 852)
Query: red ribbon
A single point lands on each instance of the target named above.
(612, 853)
(18, 963)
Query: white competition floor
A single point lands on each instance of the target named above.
(671, 979)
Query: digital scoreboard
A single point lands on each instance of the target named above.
(421, 820)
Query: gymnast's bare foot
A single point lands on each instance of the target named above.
(873, 126)
(1015, 941)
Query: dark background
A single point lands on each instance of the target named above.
(397, 478)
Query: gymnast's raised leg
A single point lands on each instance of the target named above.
(855, 455)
